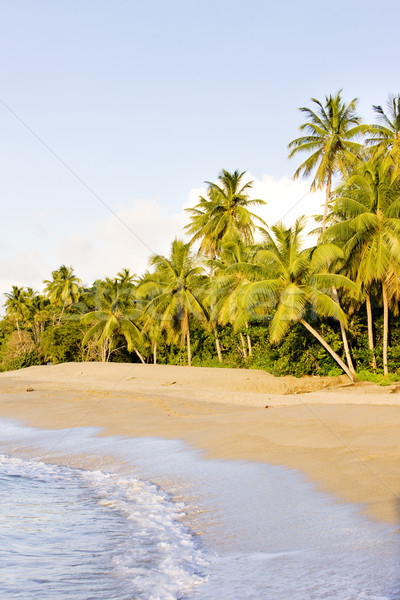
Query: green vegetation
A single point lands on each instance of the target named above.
(253, 296)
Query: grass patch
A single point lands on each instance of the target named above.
(378, 378)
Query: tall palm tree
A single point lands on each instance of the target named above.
(64, 289)
(17, 306)
(298, 281)
(340, 236)
(370, 205)
(115, 316)
(224, 215)
(175, 292)
(330, 132)
(386, 134)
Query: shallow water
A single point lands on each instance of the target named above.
(67, 533)
(123, 532)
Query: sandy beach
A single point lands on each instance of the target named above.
(344, 438)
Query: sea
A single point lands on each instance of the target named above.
(88, 517)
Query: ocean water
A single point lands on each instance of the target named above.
(159, 522)
(68, 533)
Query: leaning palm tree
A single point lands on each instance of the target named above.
(224, 215)
(298, 281)
(370, 203)
(386, 134)
(175, 292)
(64, 289)
(329, 141)
(114, 316)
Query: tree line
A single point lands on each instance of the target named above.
(244, 293)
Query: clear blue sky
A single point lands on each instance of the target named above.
(146, 100)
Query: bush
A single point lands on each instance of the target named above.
(378, 378)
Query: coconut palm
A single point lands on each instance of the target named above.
(114, 316)
(17, 306)
(38, 313)
(175, 292)
(125, 277)
(340, 236)
(151, 329)
(369, 206)
(232, 272)
(224, 215)
(298, 281)
(386, 134)
(64, 289)
(330, 132)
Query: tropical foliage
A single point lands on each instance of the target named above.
(241, 293)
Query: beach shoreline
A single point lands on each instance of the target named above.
(343, 438)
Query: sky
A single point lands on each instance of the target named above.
(114, 114)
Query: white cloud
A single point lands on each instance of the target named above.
(194, 195)
(140, 229)
(286, 200)
(105, 246)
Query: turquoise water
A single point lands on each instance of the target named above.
(170, 525)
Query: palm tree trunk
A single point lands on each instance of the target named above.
(243, 345)
(18, 329)
(139, 355)
(385, 328)
(155, 353)
(344, 335)
(189, 348)
(104, 351)
(327, 347)
(327, 198)
(217, 344)
(249, 348)
(62, 312)
(370, 331)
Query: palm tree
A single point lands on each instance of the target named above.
(115, 316)
(330, 131)
(232, 272)
(386, 135)
(16, 306)
(370, 211)
(298, 281)
(125, 277)
(151, 330)
(63, 289)
(175, 292)
(38, 308)
(224, 215)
